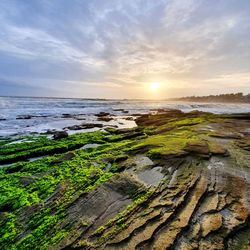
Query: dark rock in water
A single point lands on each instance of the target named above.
(129, 118)
(121, 110)
(25, 117)
(67, 156)
(125, 111)
(74, 116)
(67, 116)
(79, 118)
(102, 114)
(105, 118)
(85, 126)
(74, 127)
(60, 134)
(3, 119)
(93, 125)
(50, 131)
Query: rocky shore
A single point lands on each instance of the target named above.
(176, 181)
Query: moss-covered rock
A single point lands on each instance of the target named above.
(105, 197)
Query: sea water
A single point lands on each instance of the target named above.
(57, 113)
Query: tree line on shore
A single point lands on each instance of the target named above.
(237, 97)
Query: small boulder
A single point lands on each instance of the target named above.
(92, 125)
(102, 114)
(105, 118)
(75, 127)
(50, 131)
(129, 118)
(25, 117)
(60, 135)
(85, 126)
(67, 116)
(198, 147)
(121, 110)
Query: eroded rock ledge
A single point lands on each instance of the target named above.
(177, 181)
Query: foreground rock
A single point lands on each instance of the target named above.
(177, 181)
(60, 135)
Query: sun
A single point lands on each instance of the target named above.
(154, 86)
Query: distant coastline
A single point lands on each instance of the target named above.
(223, 98)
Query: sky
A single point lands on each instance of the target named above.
(117, 48)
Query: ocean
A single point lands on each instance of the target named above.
(24, 115)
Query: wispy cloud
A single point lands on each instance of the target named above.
(95, 46)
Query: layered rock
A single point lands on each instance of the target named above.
(178, 181)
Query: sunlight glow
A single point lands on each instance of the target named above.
(154, 86)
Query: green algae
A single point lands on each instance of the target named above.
(65, 180)
(42, 146)
(78, 174)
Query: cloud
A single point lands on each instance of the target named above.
(105, 47)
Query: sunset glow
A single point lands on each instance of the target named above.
(154, 86)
